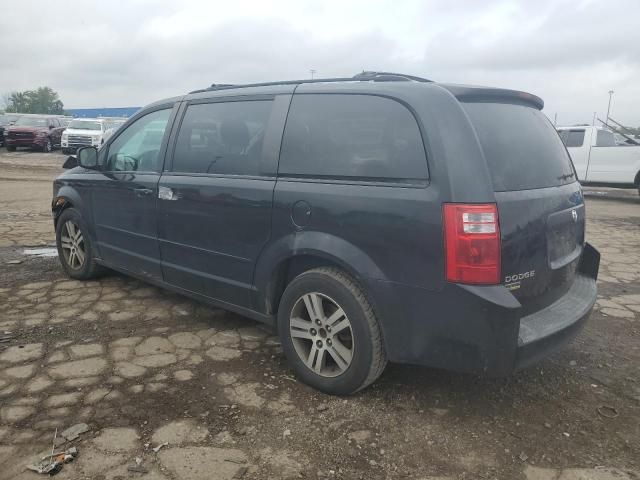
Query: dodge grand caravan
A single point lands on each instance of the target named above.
(377, 218)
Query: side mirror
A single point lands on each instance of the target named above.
(88, 157)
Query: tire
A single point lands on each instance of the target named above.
(80, 267)
(48, 146)
(334, 368)
(11, 148)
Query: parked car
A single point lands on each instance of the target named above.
(43, 132)
(599, 160)
(377, 218)
(82, 132)
(113, 125)
(6, 120)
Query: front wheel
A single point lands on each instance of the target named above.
(74, 246)
(330, 333)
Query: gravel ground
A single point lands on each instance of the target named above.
(142, 366)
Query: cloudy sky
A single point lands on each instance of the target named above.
(113, 53)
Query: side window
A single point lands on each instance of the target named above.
(222, 138)
(363, 136)
(575, 138)
(605, 139)
(137, 148)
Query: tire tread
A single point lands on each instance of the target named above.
(94, 269)
(379, 355)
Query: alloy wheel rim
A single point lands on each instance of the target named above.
(72, 243)
(321, 334)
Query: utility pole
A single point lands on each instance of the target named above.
(609, 106)
(313, 72)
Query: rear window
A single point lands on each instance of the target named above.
(352, 136)
(522, 149)
(572, 138)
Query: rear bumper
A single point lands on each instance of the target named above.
(549, 329)
(480, 329)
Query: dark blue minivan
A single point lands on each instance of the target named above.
(377, 218)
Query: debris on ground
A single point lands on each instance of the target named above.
(157, 449)
(74, 431)
(241, 472)
(607, 411)
(41, 252)
(137, 467)
(52, 464)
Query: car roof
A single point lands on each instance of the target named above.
(366, 82)
(578, 127)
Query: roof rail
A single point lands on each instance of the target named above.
(364, 76)
(388, 77)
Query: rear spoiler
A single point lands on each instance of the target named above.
(466, 93)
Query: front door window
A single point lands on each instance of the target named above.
(138, 147)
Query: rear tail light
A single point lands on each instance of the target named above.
(471, 243)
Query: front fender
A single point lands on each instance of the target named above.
(67, 196)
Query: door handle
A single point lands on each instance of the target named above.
(142, 192)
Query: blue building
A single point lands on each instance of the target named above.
(124, 112)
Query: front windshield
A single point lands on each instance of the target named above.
(32, 122)
(85, 125)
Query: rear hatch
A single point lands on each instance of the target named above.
(540, 205)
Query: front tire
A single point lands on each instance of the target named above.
(75, 250)
(329, 332)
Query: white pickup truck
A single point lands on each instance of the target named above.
(597, 158)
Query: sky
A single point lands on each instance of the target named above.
(116, 54)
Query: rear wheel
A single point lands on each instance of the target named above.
(74, 246)
(329, 332)
(11, 148)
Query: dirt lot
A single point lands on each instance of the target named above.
(142, 366)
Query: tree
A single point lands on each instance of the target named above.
(41, 100)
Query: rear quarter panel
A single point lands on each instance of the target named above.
(381, 232)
